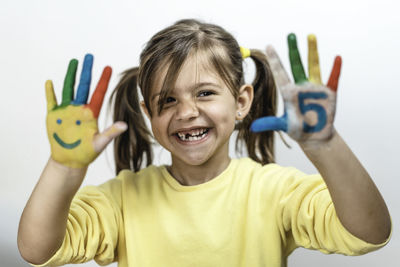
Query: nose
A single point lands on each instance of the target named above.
(186, 110)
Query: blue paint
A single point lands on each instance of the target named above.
(321, 113)
(59, 121)
(84, 83)
(65, 145)
(270, 123)
(78, 122)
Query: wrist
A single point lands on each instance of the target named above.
(67, 170)
(325, 144)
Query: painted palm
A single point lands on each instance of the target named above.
(72, 125)
(309, 106)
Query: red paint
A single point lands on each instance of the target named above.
(101, 89)
(334, 78)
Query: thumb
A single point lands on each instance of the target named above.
(269, 123)
(101, 140)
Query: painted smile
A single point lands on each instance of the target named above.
(65, 145)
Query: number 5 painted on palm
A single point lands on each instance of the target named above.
(305, 90)
(321, 113)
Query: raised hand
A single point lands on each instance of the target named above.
(309, 105)
(72, 126)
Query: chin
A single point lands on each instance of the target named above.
(193, 160)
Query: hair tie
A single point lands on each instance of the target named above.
(245, 52)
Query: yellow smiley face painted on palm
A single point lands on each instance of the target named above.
(70, 130)
(72, 125)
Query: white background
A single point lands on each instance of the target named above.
(39, 37)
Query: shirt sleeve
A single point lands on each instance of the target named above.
(307, 218)
(93, 226)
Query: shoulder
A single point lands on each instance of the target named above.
(149, 170)
(149, 173)
(267, 171)
(113, 189)
(275, 178)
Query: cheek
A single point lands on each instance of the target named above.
(225, 112)
(159, 128)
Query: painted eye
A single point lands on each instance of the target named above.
(59, 121)
(78, 122)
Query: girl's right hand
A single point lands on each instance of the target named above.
(72, 126)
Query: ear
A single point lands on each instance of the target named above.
(244, 101)
(145, 110)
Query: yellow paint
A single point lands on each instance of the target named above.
(313, 60)
(50, 96)
(70, 132)
(112, 131)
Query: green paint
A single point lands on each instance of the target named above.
(69, 83)
(65, 145)
(298, 72)
(61, 107)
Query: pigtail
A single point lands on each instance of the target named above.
(260, 146)
(133, 146)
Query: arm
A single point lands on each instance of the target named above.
(358, 203)
(43, 221)
(75, 143)
(309, 113)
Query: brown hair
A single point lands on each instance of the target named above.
(171, 47)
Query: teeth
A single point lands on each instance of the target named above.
(193, 136)
(181, 136)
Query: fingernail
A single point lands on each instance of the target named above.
(121, 125)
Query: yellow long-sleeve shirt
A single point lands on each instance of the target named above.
(249, 215)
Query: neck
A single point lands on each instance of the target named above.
(187, 174)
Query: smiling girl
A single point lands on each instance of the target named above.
(205, 209)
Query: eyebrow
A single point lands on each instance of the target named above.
(194, 87)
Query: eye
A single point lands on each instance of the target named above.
(78, 122)
(59, 121)
(205, 93)
(169, 100)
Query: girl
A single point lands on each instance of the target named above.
(205, 209)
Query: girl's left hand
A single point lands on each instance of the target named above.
(308, 104)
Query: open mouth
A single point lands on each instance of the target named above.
(193, 135)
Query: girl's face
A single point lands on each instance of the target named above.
(198, 116)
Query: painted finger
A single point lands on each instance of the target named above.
(269, 124)
(335, 73)
(280, 75)
(314, 74)
(103, 139)
(98, 95)
(50, 96)
(295, 60)
(84, 83)
(69, 83)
